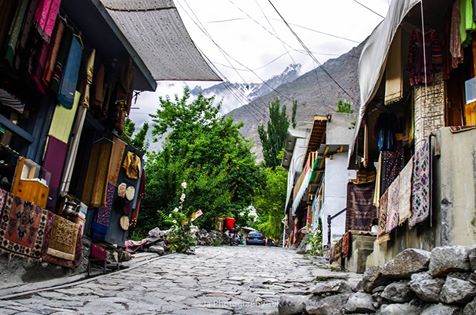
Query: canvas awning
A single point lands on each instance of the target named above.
(374, 55)
(157, 33)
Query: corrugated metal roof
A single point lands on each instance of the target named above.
(157, 33)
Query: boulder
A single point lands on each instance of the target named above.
(406, 263)
(333, 287)
(472, 258)
(397, 292)
(360, 302)
(157, 249)
(289, 305)
(457, 291)
(448, 258)
(331, 305)
(372, 279)
(398, 309)
(426, 287)
(470, 308)
(441, 309)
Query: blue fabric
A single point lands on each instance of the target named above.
(71, 73)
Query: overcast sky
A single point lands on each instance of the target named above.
(252, 33)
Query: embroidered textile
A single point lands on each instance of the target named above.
(15, 31)
(405, 193)
(63, 262)
(63, 238)
(360, 209)
(53, 54)
(421, 189)
(456, 49)
(22, 227)
(346, 244)
(104, 213)
(392, 165)
(392, 205)
(382, 220)
(55, 156)
(394, 71)
(417, 63)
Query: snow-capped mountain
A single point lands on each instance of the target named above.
(235, 95)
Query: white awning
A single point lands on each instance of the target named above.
(302, 190)
(374, 54)
(158, 35)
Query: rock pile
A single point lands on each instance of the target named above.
(442, 281)
(212, 238)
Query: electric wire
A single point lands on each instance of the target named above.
(309, 52)
(368, 8)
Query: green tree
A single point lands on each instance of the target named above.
(269, 202)
(205, 150)
(293, 115)
(273, 137)
(138, 139)
(344, 106)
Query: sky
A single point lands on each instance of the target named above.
(253, 34)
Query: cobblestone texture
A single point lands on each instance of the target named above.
(216, 280)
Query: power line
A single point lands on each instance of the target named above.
(309, 52)
(274, 31)
(366, 7)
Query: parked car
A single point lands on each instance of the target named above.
(255, 238)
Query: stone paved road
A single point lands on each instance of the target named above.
(217, 280)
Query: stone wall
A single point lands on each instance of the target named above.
(429, 109)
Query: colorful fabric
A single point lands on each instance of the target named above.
(94, 191)
(15, 31)
(45, 17)
(467, 25)
(69, 81)
(392, 165)
(360, 209)
(3, 198)
(63, 119)
(392, 205)
(405, 193)
(27, 25)
(22, 227)
(421, 69)
(132, 165)
(382, 214)
(346, 244)
(60, 261)
(378, 180)
(421, 189)
(55, 157)
(104, 213)
(41, 60)
(63, 238)
(117, 153)
(61, 59)
(53, 54)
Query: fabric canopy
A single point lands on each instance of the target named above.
(302, 190)
(157, 33)
(374, 54)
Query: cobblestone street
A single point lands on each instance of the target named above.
(216, 280)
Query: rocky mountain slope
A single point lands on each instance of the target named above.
(315, 92)
(234, 95)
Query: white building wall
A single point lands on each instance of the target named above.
(295, 167)
(335, 195)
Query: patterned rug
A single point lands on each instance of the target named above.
(392, 164)
(392, 205)
(104, 213)
(382, 221)
(63, 238)
(360, 209)
(405, 193)
(347, 244)
(22, 227)
(421, 189)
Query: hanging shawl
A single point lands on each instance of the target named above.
(71, 72)
(41, 60)
(421, 189)
(405, 193)
(392, 205)
(15, 31)
(45, 17)
(53, 55)
(61, 59)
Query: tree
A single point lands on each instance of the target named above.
(273, 138)
(269, 202)
(344, 106)
(293, 115)
(206, 151)
(138, 139)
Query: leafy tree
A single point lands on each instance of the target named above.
(273, 137)
(344, 106)
(269, 202)
(205, 150)
(138, 139)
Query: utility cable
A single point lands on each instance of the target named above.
(370, 9)
(309, 52)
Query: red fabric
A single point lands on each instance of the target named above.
(97, 252)
(45, 17)
(230, 223)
